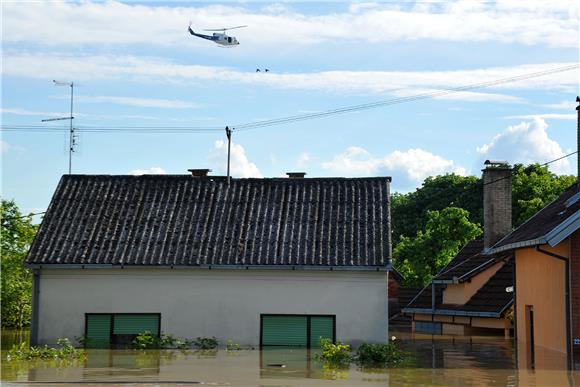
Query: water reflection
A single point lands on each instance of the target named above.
(439, 362)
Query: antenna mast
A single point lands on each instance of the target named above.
(72, 137)
(229, 136)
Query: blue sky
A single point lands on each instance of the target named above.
(134, 64)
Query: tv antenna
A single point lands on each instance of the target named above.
(72, 137)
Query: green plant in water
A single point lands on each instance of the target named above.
(334, 355)
(232, 346)
(206, 343)
(148, 340)
(65, 350)
(382, 356)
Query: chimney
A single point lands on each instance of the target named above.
(497, 201)
(296, 175)
(199, 172)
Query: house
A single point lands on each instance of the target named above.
(546, 251)
(263, 262)
(468, 296)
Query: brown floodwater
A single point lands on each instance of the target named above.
(439, 361)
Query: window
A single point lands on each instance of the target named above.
(428, 327)
(103, 330)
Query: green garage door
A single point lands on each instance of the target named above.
(284, 331)
(296, 331)
(133, 324)
(321, 327)
(98, 330)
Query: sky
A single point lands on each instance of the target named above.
(134, 65)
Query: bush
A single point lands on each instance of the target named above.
(64, 351)
(148, 340)
(232, 346)
(206, 342)
(382, 355)
(337, 355)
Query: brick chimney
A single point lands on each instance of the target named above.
(497, 201)
(199, 172)
(296, 175)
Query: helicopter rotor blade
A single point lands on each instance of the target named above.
(225, 29)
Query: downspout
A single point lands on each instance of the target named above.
(35, 307)
(568, 314)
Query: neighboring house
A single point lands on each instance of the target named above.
(280, 261)
(546, 250)
(468, 296)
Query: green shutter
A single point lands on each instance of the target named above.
(133, 324)
(284, 330)
(98, 330)
(320, 327)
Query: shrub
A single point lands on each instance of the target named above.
(382, 355)
(206, 342)
(64, 351)
(148, 340)
(232, 346)
(337, 355)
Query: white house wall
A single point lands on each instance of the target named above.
(222, 303)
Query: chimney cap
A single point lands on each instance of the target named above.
(199, 172)
(496, 164)
(296, 175)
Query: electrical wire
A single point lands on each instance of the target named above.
(395, 101)
(294, 118)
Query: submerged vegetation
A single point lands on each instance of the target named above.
(64, 351)
(148, 340)
(385, 355)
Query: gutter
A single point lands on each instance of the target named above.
(447, 312)
(212, 267)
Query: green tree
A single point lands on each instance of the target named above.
(409, 211)
(16, 234)
(419, 258)
(534, 187)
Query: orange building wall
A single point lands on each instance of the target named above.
(459, 294)
(540, 282)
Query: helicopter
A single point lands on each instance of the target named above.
(220, 38)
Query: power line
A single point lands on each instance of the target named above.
(395, 101)
(295, 118)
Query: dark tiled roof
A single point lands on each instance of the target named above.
(491, 298)
(467, 263)
(182, 220)
(543, 221)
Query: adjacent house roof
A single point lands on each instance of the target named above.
(180, 220)
(491, 300)
(550, 225)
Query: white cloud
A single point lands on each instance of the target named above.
(527, 142)
(398, 83)
(553, 23)
(303, 159)
(150, 171)
(240, 165)
(141, 102)
(408, 168)
(564, 105)
(552, 116)
(4, 146)
(24, 112)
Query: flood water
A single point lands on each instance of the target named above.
(469, 361)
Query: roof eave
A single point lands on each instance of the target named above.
(564, 229)
(210, 267)
(448, 312)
